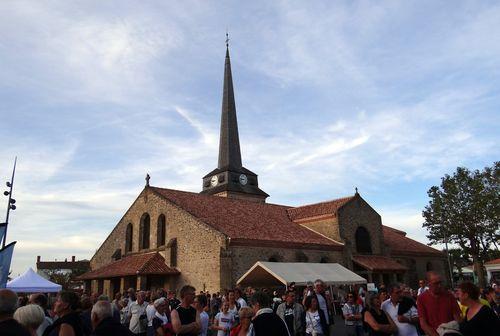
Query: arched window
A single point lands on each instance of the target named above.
(324, 260)
(128, 238)
(363, 243)
(429, 266)
(161, 231)
(144, 232)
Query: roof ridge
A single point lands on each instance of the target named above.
(149, 261)
(323, 202)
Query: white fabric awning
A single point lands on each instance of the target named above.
(30, 282)
(264, 273)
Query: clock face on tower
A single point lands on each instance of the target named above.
(214, 180)
(243, 179)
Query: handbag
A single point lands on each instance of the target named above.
(314, 332)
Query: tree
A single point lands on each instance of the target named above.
(465, 210)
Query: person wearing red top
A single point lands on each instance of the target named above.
(436, 305)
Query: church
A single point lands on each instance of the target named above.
(169, 238)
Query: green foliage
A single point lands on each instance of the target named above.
(465, 210)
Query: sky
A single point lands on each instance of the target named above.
(386, 96)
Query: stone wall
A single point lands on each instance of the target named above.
(354, 214)
(198, 245)
(328, 227)
(419, 265)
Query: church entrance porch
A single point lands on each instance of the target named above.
(139, 271)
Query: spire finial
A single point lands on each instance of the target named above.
(147, 180)
(227, 38)
(356, 188)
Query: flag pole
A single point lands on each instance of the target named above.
(10, 203)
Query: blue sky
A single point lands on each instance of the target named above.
(387, 96)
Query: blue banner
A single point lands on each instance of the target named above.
(5, 259)
(2, 231)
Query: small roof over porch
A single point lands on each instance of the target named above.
(137, 264)
(377, 263)
(264, 273)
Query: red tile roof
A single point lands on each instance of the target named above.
(245, 221)
(378, 263)
(317, 209)
(493, 262)
(137, 264)
(400, 244)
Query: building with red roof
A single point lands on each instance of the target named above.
(168, 238)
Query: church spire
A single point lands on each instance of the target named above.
(229, 143)
(230, 178)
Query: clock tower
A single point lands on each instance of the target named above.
(230, 178)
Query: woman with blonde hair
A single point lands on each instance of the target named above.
(244, 327)
(30, 316)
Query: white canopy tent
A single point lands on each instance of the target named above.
(30, 282)
(264, 274)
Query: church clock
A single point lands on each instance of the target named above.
(214, 180)
(243, 179)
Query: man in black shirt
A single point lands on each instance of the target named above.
(8, 305)
(266, 322)
(173, 302)
(185, 319)
(292, 313)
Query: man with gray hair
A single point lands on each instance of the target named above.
(8, 305)
(103, 322)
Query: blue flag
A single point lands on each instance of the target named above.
(2, 231)
(5, 259)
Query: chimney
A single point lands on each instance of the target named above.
(38, 259)
(72, 258)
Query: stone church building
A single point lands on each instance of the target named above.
(168, 238)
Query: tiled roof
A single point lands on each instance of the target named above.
(400, 244)
(58, 265)
(137, 264)
(243, 220)
(493, 262)
(317, 209)
(378, 263)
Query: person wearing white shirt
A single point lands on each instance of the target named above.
(405, 323)
(199, 303)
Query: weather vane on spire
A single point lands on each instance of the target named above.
(227, 38)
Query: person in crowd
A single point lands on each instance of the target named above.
(314, 318)
(185, 319)
(8, 325)
(234, 306)
(436, 305)
(150, 313)
(292, 313)
(406, 322)
(244, 328)
(103, 323)
(173, 302)
(137, 314)
(68, 322)
(124, 312)
(31, 317)
(352, 316)
(421, 287)
(377, 321)
(161, 323)
(224, 320)
(238, 295)
(479, 319)
(214, 305)
(41, 300)
(85, 314)
(200, 303)
(308, 291)
(383, 295)
(324, 302)
(265, 322)
(490, 296)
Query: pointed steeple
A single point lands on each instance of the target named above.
(230, 178)
(229, 143)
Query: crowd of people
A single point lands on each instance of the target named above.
(396, 310)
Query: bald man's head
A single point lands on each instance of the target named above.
(8, 302)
